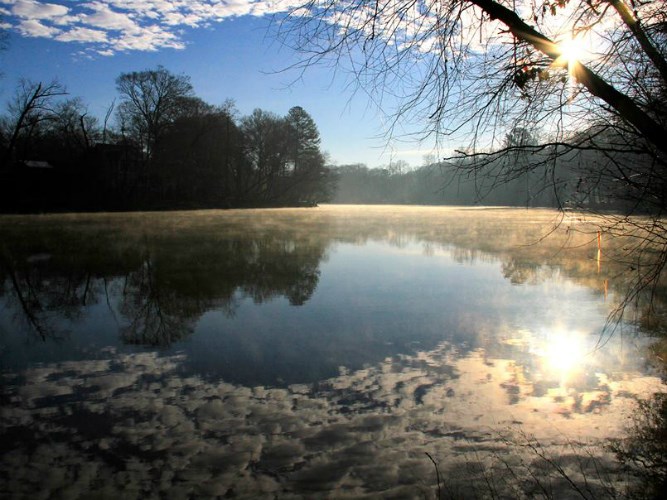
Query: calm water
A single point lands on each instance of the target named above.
(293, 353)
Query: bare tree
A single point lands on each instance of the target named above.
(107, 117)
(477, 69)
(32, 104)
(150, 101)
(482, 60)
(72, 126)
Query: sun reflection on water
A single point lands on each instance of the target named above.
(564, 352)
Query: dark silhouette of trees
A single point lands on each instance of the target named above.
(286, 164)
(42, 125)
(304, 155)
(45, 139)
(150, 101)
(31, 105)
(265, 142)
(69, 134)
(197, 157)
(169, 149)
(303, 140)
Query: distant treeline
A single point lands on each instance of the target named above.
(437, 184)
(521, 173)
(159, 146)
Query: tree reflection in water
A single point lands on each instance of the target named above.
(168, 281)
(156, 316)
(174, 268)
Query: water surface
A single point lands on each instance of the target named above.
(295, 352)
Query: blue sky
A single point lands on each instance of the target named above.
(225, 46)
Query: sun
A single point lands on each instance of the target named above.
(572, 50)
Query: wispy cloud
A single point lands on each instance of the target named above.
(34, 28)
(111, 26)
(83, 35)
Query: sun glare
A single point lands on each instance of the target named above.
(572, 49)
(563, 352)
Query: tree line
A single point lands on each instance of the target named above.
(525, 172)
(439, 183)
(160, 146)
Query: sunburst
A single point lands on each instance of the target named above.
(573, 51)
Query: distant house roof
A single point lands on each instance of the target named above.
(37, 164)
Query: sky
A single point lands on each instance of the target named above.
(226, 47)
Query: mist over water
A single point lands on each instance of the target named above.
(294, 352)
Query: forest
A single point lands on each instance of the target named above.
(158, 147)
(161, 147)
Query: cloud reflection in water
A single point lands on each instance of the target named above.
(131, 425)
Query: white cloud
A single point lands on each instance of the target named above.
(38, 10)
(179, 19)
(111, 26)
(83, 35)
(34, 28)
(104, 18)
(150, 38)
